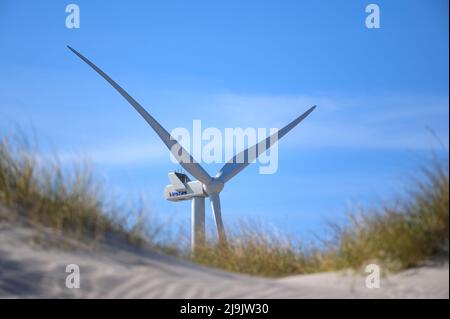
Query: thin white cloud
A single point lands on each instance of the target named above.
(387, 122)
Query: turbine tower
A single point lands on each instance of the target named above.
(181, 187)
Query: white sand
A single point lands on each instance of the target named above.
(31, 270)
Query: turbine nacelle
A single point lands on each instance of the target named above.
(182, 188)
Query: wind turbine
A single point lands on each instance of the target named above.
(182, 188)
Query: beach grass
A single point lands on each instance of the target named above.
(37, 190)
(72, 203)
(412, 230)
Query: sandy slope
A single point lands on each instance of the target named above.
(30, 270)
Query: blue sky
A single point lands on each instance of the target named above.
(236, 64)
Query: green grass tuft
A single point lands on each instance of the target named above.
(38, 191)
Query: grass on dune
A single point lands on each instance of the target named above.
(73, 204)
(397, 237)
(400, 236)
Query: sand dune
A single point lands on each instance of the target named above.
(114, 271)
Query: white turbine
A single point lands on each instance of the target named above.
(182, 188)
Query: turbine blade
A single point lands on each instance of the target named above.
(182, 156)
(231, 168)
(215, 205)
